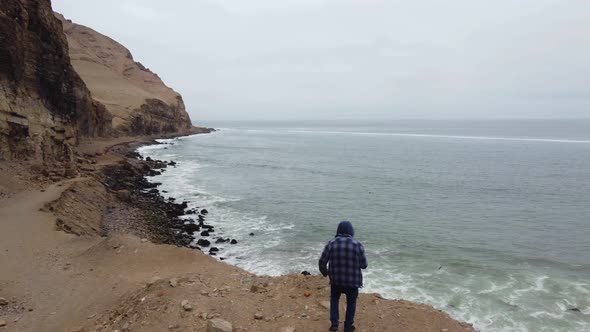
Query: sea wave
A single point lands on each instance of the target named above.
(492, 138)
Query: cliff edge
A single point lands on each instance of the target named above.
(139, 102)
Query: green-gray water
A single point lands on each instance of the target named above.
(489, 221)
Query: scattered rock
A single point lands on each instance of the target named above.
(173, 327)
(204, 211)
(574, 310)
(252, 234)
(2, 322)
(258, 316)
(144, 240)
(3, 301)
(306, 273)
(125, 327)
(234, 241)
(213, 251)
(173, 282)
(325, 304)
(203, 243)
(219, 325)
(191, 228)
(186, 306)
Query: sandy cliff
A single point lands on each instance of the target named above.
(138, 100)
(44, 105)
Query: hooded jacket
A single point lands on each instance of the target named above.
(343, 258)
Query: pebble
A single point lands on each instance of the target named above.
(258, 316)
(444, 330)
(186, 306)
(173, 326)
(288, 329)
(3, 301)
(173, 282)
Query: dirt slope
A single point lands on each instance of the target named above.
(138, 100)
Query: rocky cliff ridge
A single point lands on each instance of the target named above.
(44, 105)
(60, 82)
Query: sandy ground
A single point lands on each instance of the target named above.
(55, 281)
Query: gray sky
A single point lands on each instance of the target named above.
(304, 59)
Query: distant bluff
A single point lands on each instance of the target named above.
(139, 102)
(44, 105)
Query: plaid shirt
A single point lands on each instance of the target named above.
(346, 258)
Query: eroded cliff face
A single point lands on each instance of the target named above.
(138, 100)
(44, 105)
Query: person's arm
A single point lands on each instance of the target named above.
(362, 258)
(323, 263)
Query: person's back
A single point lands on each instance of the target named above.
(342, 259)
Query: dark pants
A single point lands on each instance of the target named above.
(351, 295)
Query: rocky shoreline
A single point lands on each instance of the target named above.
(164, 220)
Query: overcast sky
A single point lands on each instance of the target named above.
(304, 59)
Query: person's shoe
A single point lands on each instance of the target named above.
(350, 329)
(333, 328)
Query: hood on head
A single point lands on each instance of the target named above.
(345, 228)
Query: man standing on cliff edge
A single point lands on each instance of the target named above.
(342, 259)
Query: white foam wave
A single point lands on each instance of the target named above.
(491, 138)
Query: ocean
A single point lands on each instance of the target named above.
(486, 220)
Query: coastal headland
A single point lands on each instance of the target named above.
(86, 254)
